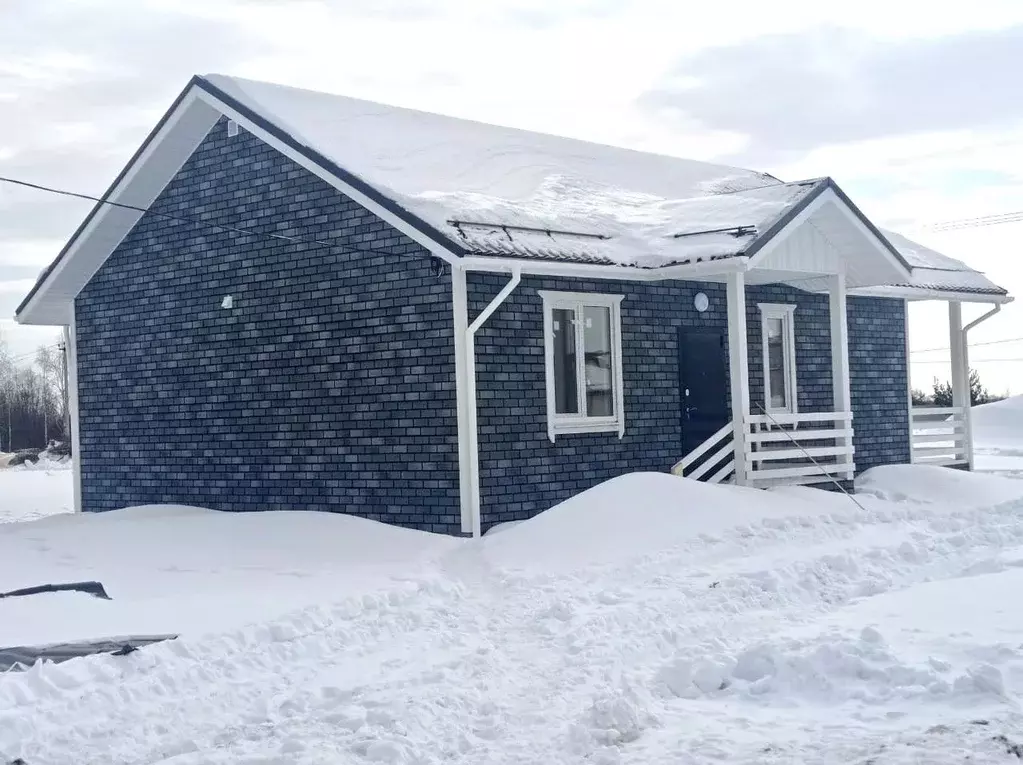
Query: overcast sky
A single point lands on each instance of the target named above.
(916, 109)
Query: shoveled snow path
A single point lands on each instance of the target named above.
(484, 665)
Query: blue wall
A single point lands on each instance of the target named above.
(878, 376)
(522, 472)
(329, 385)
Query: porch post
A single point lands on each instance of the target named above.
(738, 368)
(960, 372)
(840, 352)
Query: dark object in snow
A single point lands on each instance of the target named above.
(17, 761)
(24, 455)
(23, 657)
(1010, 747)
(89, 588)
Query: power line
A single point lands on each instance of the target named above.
(198, 222)
(24, 356)
(972, 361)
(972, 345)
(977, 222)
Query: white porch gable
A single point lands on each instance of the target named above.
(827, 236)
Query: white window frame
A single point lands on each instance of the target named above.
(581, 423)
(786, 313)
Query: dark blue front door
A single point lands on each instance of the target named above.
(703, 386)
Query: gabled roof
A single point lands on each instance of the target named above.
(465, 188)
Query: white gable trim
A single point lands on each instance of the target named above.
(826, 197)
(435, 247)
(139, 185)
(182, 130)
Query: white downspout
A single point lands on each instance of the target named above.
(968, 407)
(470, 365)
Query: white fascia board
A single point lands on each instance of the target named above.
(434, 247)
(919, 293)
(693, 271)
(140, 184)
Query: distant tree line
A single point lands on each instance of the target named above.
(33, 398)
(942, 393)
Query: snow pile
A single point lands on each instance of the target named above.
(186, 570)
(650, 619)
(998, 428)
(930, 484)
(832, 670)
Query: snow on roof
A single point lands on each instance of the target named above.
(501, 191)
(934, 271)
(445, 169)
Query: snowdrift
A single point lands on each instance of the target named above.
(650, 619)
(937, 485)
(999, 425)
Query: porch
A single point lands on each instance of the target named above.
(771, 441)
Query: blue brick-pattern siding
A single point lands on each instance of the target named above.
(522, 472)
(878, 376)
(330, 384)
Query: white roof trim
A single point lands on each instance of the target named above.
(174, 140)
(139, 185)
(921, 293)
(435, 247)
(829, 196)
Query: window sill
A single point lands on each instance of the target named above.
(579, 427)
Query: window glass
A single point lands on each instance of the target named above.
(776, 363)
(566, 395)
(599, 368)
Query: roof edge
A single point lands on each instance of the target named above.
(41, 280)
(334, 169)
(200, 83)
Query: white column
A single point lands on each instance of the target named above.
(71, 349)
(840, 352)
(960, 374)
(738, 368)
(909, 377)
(459, 304)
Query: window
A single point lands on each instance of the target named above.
(583, 352)
(779, 347)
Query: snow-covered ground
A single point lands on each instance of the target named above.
(652, 619)
(998, 437)
(34, 491)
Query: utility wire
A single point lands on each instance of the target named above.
(972, 345)
(972, 361)
(197, 221)
(982, 220)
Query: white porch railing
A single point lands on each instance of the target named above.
(801, 448)
(712, 461)
(939, 435)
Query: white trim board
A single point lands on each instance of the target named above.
(180, 132)
(560, 424)
(787, 314)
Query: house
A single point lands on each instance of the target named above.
(336, 305)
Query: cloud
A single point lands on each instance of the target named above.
(17, 286)
(791, 93)
(81, 85)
